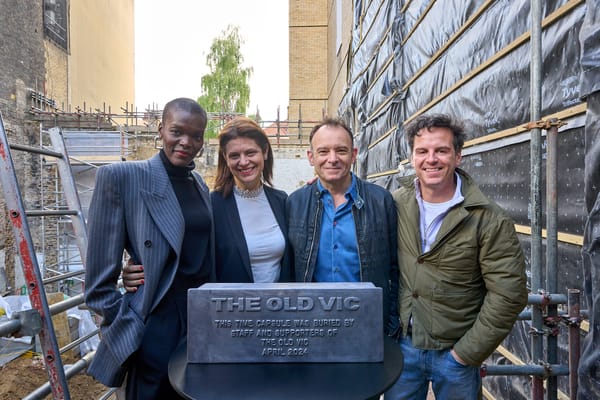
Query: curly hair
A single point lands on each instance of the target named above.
(413, 128)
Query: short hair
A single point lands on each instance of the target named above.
(333, 122)
(424, 121)
(241, 127)
(185, 104)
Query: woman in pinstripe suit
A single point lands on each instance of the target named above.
(158, 210)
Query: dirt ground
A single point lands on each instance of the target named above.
(25, 374)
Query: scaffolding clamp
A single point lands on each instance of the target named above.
(553, 323)
(483, 370)
(31, 322)
(547, 370)
(544, 124)
(536, 332)
(572, 321)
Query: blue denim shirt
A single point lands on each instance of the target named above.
(375, 222)
(337, 258)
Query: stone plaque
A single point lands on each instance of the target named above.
(285, 322)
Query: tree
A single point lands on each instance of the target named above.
(225, 89)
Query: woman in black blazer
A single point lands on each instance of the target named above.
(250, 224)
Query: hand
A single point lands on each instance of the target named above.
(133, 276)
(394, 328)
(312, 180)
(457, 358)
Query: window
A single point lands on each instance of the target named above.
(56, 22)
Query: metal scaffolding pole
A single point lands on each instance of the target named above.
(574, 340)
(535, 200)
(551, 250)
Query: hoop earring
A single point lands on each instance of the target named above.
(157, 146)
(200, 152)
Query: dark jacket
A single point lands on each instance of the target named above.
(468, 289)
(232, 258)
(375, 221)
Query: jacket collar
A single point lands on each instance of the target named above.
(470, 191)
(161, 197)
(160, 179)
(472, 194)
(354, 191)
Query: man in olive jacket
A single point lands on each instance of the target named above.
(462, 270)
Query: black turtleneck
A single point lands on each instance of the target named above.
(194, 263)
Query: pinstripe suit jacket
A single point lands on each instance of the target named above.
(133, 208)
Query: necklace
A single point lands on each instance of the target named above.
(248, 193)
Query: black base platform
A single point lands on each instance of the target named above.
(290, 381)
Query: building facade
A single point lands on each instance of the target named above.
(307, 59)
(58, 57)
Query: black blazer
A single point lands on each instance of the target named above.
(231, 250)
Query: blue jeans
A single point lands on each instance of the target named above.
(449, 379)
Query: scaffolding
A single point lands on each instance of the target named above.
(39, 322)
(49, 224)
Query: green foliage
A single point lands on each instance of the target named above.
(225, 89)
(212, 128)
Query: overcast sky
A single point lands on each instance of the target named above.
(172, 39)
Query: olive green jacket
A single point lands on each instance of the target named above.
(468, 289)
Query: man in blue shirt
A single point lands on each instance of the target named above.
(341, 228)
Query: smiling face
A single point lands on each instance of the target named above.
(435, 159)
(246, 161)
(182, 134)
(332, 155)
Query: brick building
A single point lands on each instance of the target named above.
(58, 58)
(319, 35)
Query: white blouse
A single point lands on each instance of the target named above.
(264, 237)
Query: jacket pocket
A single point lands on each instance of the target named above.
(459, 265)
(453, 311)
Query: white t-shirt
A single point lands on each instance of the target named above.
(431, 215)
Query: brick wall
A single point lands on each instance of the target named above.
(23, 66)
(22, 56)
(308, 58)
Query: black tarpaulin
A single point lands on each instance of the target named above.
(471, 59)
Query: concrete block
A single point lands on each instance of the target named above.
(285, 322)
